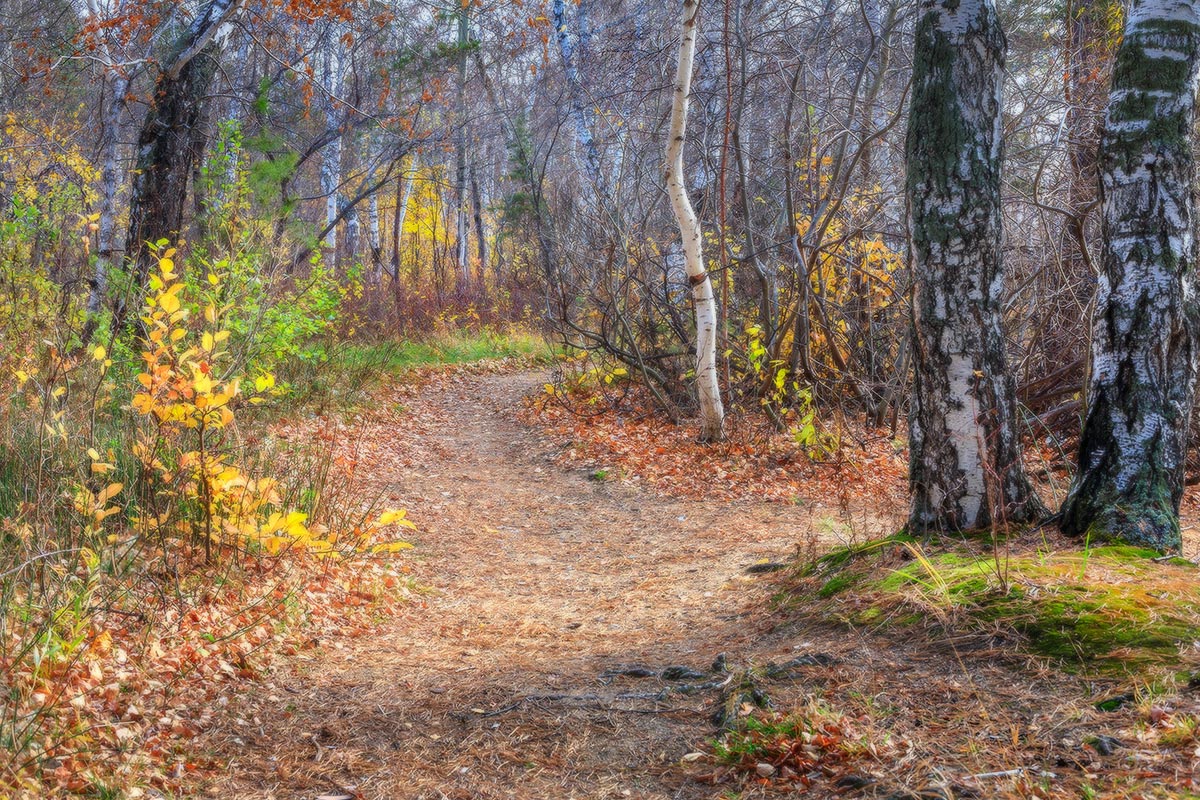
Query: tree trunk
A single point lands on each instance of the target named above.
(462, 223)
(1143, 368)
(965, 467)
(331, 158)
(579, 113)
(165, 152)
(374, 237)
(404, 187)
(480, 232)
(712, 413)
(107, 253)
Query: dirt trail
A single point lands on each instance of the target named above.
(540, 583)
(540, 580)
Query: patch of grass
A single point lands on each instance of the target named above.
(345, 375)
(1101, 610)
(460, 347)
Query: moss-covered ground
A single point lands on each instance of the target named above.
(1102, 610)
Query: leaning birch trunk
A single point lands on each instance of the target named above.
(712, 414)
(1143, 370)
(965, 467)
(405, 187)
(375, 273)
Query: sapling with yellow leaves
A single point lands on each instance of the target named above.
(187, 397)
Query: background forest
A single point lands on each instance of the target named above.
(225, 223)
(495, 163)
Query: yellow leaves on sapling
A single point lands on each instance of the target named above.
(189, 398)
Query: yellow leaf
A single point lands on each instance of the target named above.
(169, 303)
(109, 492)
(396, 516)
(99, 353)
(391, 547)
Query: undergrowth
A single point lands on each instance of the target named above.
(148, 552)
(788, 751)
(1109, 610)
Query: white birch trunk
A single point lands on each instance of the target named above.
(965, 467)
(331, 160)
(584, 139)
(402, 213)
(1133, 448)
(110, 179)
(712, 414)
(462, 220)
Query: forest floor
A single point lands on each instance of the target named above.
(549, 602)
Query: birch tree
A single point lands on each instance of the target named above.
(462, 224)
(116, 82)
(965, 466)
(585, 140)
(712, 413)
(166, 149)
(1143, 359)
(331, 157)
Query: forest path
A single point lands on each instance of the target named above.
(539, 581)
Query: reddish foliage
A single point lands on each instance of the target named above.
(754, 462)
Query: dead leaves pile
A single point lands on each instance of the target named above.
(121, 711)
(754, 462)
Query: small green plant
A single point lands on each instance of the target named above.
(815, 442)
(791, 748)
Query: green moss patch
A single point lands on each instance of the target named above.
(1102, 610)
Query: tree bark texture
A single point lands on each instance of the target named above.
(1143, 359)
(965, 467)
(165, 149)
